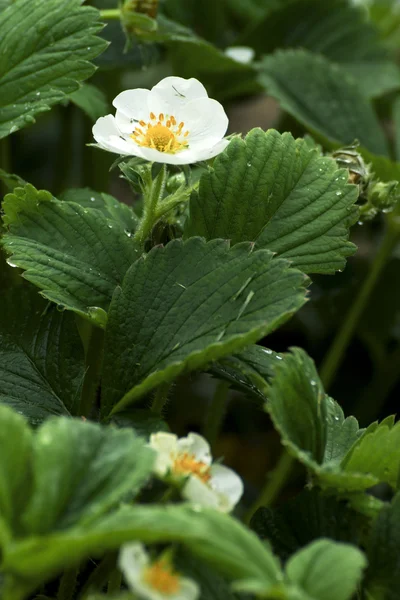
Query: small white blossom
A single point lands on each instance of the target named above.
(155, 580)
(175, 123)
(206, 484)
(242, 54)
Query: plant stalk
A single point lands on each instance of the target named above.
(151, 200)
(67, 586)
(110, 14)
(274, 484)
(94, 359)
(160, 398)
(335, 355)
(114, 582)
(216, 413)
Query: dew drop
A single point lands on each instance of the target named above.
(267, 351)
(249, 164)
(338, 193)
(278, 357)
(37, 93)
(313, 382)
(92, 199)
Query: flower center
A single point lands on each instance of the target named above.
(186, 464)
(161, 134)
(162, 578)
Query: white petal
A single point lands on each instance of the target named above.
(132, 559)
(198, 492)
(207, 153)
(197, 445)
(166, 447)
(188, 590)
(228, 485)
(108, 136)
(172, 93)
(133, 104)
(206, 121)
(242, 54)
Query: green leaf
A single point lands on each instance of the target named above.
(15, 475)
(109, 206)
(248, 371)
(383, 551)
(309, 516)
(45, 50)
(81, 470)
(396, 121)
(91, 100)
(327, 570)
(374, 79)
(143, 422)
(185, 305)
(280, 193)
(377, 452)
(220, 540)
(11, 180)
(41, 356)
(323, 98)
(75, 255)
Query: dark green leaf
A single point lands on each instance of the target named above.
(41, 356)
(76, 255)
(309, 516)
(143, 422)
(323, 98)
(11, 181)
(185, 305)
(281, 193)
(91, 100)
(110, 207)
(327, 570)
(45, 49)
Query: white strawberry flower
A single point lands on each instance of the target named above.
(175, 123)
(241, 54)
(154, 580)
(189, 458)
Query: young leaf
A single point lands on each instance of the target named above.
(185, 305)
(45, 49)
(280, 193)
(217, 538)
(327, 570)
(91, 100)
(76, 255)
(323, 97)
(41, 356)
(80, 471)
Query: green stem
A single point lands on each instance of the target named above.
(160, 398)
(151, 200)
(94, 359)
(114, 582)
(100, 575)
(67, 584)
(110, 14)
(216, 413)
(335, 355)
(5, 161)
(275, 483)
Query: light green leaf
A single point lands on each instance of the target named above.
(249, 371)
(323, 98)
(185, 305)
(383, 551)
(15, 475)
(41, 356)
(377, 452)
(217, 538)
(341, 433)
(11, 180)
(110, 207)
(374, 79)
(91, 100)
(396, 122)
(75, 255)
(80, 471)
(45, 49)
(327, 569)
(280, 193)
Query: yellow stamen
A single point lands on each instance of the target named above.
(161, 577)
(163, 136)
(186, 464)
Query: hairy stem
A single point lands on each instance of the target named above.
(216, 413)
(94, 359)
(152, 196)
(274, 485)
(335, 355)
(110, 14)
